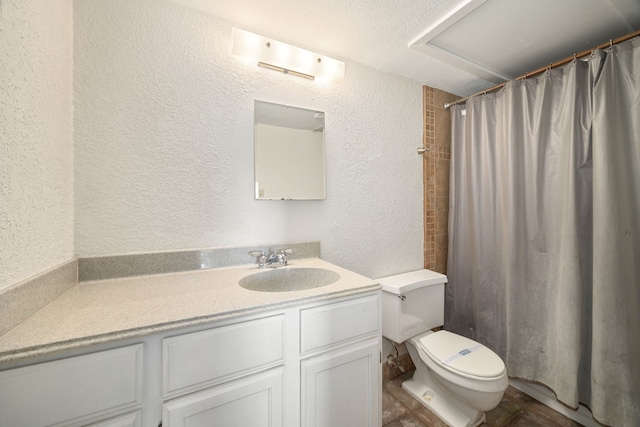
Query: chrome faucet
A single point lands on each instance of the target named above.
(273, 258)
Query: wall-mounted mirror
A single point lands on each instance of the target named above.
(289, 153)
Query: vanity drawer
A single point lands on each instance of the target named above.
(65, 391)
(208, 357)
(331, 324)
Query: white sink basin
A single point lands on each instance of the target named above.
(289, 279)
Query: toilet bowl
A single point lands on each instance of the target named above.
(469, 381)
(456, 378)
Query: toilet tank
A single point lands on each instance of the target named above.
(412, 303)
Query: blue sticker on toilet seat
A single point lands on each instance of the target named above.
(462, 353)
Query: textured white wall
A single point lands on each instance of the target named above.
(164, 140)
(36, 137)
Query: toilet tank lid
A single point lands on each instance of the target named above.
(405, 282)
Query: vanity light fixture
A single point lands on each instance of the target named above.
(278, 56)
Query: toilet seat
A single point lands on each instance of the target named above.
(462, 356)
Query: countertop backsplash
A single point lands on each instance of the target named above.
(126, 265)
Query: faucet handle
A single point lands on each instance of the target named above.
(282, 255)
(261, 257)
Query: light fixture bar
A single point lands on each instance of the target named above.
(279, 56)
(285, 71)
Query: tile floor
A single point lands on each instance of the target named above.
(517, 409)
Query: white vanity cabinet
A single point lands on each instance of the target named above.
(236, 357)
(341, 381)
(313, 365)
(75, 390)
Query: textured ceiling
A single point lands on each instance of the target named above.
(378, 33)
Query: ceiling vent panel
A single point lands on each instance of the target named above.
(499, 40)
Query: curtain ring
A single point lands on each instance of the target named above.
(575, 59)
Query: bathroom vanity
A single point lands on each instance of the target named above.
(196, 349)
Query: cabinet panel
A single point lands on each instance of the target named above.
(212, 356)
(334, 323)
(65, 390)
(128, 420)
(342, 388)
(255, 401)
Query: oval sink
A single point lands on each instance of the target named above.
(289, 279)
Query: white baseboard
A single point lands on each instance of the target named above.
(544, 396)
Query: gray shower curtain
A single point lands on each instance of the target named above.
(544, 230)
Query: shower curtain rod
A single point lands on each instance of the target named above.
(548, 67)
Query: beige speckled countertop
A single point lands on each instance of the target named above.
(108, 310)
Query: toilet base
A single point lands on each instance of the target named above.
(434, 401)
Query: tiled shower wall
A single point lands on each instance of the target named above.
(437, 139)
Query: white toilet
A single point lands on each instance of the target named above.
(456, 378)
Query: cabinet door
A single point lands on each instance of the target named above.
(67, 391)
(342, 388)
(255, 401)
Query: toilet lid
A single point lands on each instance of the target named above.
(462, 355)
